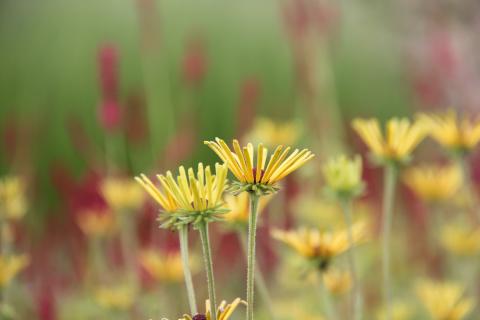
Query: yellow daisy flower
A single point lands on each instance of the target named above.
(444, 300)
(320, 246)
(13, 204)
(119, 297)
(255, 173)
(462, 241)
(239, 207)
(274, 133)
(163, 198)
(458, 135)
(400, 139)
(162, 267)
(10, 266)
(224, 311)
(122, 194)
(433, 183)
(337, 282)
(344, 176)
(96, 224)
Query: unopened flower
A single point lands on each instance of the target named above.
(461, 240)
(253, 172)
(96, 223)
(337, 282)
(13, 204)
(400, 139)
(224, 311)
(274, 133)
(444, 300)
(122, 194)
(321, 247)
(239, 207)
(344, 176)
(118, 297)
(433, 183)
(162, 267)
(10, 266)
(457, 135)
(400, 311)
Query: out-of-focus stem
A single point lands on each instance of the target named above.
(330, 311)
(129, 244)
(356, 306)
(207, 258)
(252, 230)
(390, 176)
(259, 279)
(183, 237)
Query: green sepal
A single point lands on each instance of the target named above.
(256, 188)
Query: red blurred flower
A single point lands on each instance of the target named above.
(194, 64)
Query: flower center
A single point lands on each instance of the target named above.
(254, 171)
(199, 317)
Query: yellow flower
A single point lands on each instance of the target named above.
(13, 204)
(453, 133)
(274, 133)
(239, 207)
(444, 300)
(96, 223)
(337, 282)
(400, 311)
(463, 241)
(318, 245)
(434, 183)
(224, 310)
(344, 176)
(10, 266)
(122, 194)
(400, 140)
(162, 267)
(119, 297)
(256, 171)
(164, 199)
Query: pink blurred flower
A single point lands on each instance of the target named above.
(194, 63)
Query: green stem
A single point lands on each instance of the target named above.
(326, 300)
(259, 279)
(356, 306)
(183, 237)
(129, 244)
(207, 257)
(390, 175)
(252, 230)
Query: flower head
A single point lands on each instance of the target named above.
(239, 208)
(254, 173)
(400, 139)
(122, 194)
(444, 300)
(96, 223)
(344, 176)
(224, 311)
(318, 246)
(120, 297)
(10, 266)
(162, 267)
(462, 241)
(457, 135)
(163, 198)
(433, 183)
(13, 204)
(337, 282)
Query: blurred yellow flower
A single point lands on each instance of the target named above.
(256, 173)
(451, 132)
(122, 194)
(10, 266)
(400, 311)
(321, 246)
(400, 139)
(461, 240)
(96, 223)
(119, 297)
(344, 176)
(239, 207)
(274, 133)
(13, 204)
(162, 267)
(224, 310)
(444, 300)
(337, 282)
(433, 183)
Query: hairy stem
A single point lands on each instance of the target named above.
(187, 274)
(252, 230)
(207, 258)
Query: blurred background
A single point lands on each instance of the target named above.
(95, 90)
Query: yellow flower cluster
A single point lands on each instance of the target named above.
(444, 300)
(433, 183)
(13, 204)
(122, 194)
(10, 266)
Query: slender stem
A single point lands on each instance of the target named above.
(390, 175)
(252, 230)
(259, 279)
(183, 237)
(326, 300)
(207, 258)
(129, 244)
(356, 300)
